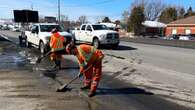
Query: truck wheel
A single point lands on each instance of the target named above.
(42, 47)
(114, 46)
(96, 43)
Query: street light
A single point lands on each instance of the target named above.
(59, 11)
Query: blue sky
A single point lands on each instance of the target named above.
(93, 9)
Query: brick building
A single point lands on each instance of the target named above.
(183, 26)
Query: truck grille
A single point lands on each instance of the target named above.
(113, 36)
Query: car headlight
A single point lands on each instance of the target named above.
(103, 36)
(47, 38)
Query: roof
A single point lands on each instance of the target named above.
(154, 24)
(185, 21)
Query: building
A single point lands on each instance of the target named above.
(184, 26)
(50, 19)
(153, 28)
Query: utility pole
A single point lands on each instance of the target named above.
(59, 11)
(31, 6)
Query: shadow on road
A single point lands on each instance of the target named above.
(122, 91)
(123, 47)
(119, 48)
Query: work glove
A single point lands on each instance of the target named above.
(80, 74)
(85, 67)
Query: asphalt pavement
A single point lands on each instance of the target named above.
(26, 85)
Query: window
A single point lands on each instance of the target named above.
(48, 28)
(174, 31)
(89, 28)
(83, 27)
(36, 29)
(33, 28)
(187, 31)
(99, 27)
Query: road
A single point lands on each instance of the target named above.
(136, 77)
(166, 71)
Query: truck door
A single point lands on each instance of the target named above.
(82, 33)
(36, 37)
(88, 32)
(34, 34)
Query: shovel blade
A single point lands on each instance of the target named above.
(62, 88)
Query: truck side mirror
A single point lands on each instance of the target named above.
(33, 31)
(36, 31)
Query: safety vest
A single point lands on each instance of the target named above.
(87, 56)
(56, 42)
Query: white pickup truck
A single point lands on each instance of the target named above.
(96, 34)
(39, 35)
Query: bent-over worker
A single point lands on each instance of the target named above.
(90, 62)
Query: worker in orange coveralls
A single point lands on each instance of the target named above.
(56, 44)
(90, 62)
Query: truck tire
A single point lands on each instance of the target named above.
(42, 47)
(114, 46)
(96, 43)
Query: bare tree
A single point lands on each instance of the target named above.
(181, 12)
(139, 3)
(153, 9)
(106, 20)
(82, 19)
(41, 19)
(168, 15)
(125, 16)
(64, 18)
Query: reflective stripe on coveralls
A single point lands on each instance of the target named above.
(87, 56)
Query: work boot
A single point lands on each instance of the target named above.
(58, 64)
(91, 94)
(85, 87)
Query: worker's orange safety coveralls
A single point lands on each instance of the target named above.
(92, 57)
(56, 44)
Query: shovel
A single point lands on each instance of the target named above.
(64, 88)
(40, 58)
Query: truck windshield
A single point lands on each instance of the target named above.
(99, 27)
(48, 28)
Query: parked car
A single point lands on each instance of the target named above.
(184, 37)
(39, 35)
(16, 29)
(174, 37)
(97, 35)
(1, 27)
(5, 27)
(192, 37)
